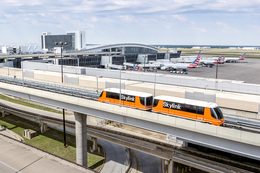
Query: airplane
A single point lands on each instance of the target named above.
(242, 57)
(184, 59)
(174, 67)
(128, 64)
(207, 62)
(136, 67)
(222, 61)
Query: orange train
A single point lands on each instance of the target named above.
(186, 108)
(139, 100)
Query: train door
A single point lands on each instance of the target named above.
(125, 100)
(200, 113)
(165, 107)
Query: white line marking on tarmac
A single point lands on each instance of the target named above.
(17, 171)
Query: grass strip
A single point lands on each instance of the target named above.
(51, 141)
(3, 97)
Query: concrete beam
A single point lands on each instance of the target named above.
(81, 138)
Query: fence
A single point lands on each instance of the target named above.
(214, 84)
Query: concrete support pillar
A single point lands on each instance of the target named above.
(44, 127)
(3, 113)
(185, 144)
(81, 138)
(170, 167)
(95, 145)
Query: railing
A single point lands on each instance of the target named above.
(58, 88)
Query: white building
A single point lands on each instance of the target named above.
(250, 48)
(79, 39)
(234, 47)
(76, 40)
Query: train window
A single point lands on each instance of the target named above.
(213, 113)
(218, 112)
(128, 98)
(149, 101)
(187, 108)
(193, 109)
(201, 110)
(101, 94)
(115, 96)
(183, 107)
(155, 102)
(108, 95)
(142, 100)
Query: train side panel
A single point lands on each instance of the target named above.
(136, 104)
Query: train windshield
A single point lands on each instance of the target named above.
(101, 94)
(216, 113)
(146, 101)
(149, 101)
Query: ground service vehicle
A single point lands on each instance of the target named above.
(187, 108)
(133, 99)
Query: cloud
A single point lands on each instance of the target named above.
(179, 17)
(255, 27)
(94, 19)
(199, 29)
(226, 28)
(127, 18)
(131, 16)
(168, 26)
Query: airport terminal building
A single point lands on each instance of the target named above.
(98, 56)
(76, 40)
(117, 54)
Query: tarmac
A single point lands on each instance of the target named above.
(246, 70)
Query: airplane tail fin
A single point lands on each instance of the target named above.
(242, 57)
(195, 62)
(218, 60)
(223, 59)
(136, 67)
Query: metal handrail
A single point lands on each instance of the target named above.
(50, 86)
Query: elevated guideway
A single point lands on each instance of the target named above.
(221, 138)
(148, 144)
(240, 104)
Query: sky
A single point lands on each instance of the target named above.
(172, 22)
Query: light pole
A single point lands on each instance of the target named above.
(8, 65)
(155, 69)
(120, 77)
(97, 84)
(144, 59)
(217, 70)
(63, 110)
(120, 87)
(22, 73)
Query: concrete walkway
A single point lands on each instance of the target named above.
(16, 157)
(10, 134)
(115, 154)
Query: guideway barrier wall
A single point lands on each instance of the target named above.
(223, 99)
(154, 121)
(215, 84)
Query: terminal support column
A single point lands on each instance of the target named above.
(3, 113)
(170, 164)
(81, 138)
